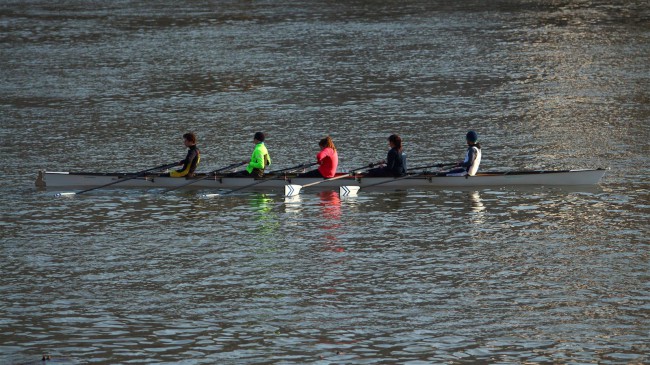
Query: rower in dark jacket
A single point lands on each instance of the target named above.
(395, 163)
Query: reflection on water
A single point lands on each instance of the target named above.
(477, 203)
(478, 209)
(330, 206)
(293, 204)
(265, 222)
(332, 272)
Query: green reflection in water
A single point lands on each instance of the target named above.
(267, 222)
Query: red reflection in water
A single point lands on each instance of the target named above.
(331, 214)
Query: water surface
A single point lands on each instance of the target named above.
(498, 275)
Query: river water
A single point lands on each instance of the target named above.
(499, 275)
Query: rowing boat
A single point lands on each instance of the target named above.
(58, 180)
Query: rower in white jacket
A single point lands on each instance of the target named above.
(470, 165)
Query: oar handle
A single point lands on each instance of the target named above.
(302, 165)
(370, 165)
(436, 165)
(161, 167)
(229, 167)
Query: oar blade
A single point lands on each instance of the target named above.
(67, 193)
(208, 196)
(346, 190)
(292, 190)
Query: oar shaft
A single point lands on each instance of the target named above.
(135, 176)
(271, 178)
(352, 172)
(303, 165)
(395, 179)
(436, 165)
(208, 175)
(251, 185)
(408, 176)
(330, 179)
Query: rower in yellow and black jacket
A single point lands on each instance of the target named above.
(191, 160)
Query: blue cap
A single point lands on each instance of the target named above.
(472, 136)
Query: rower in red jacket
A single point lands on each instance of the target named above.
(327, 158)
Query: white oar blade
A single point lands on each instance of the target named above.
(292, 190)
(208, 196)
(349, 190)
(69, 193)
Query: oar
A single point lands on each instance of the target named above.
(294, 189)
(133, 176)
(301, 166)
(288, 169)
(436, 165)
(352, 190)
(208, 175)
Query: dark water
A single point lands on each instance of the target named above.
(505, 275)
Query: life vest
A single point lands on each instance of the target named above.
(473, 168)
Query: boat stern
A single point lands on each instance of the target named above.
(40, 179)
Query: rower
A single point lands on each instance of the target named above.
(259, 159)
(191, 160)
(327, 158)
(469, 166)
(395, 163)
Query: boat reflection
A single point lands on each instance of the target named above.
(330, 204)
(266, 218)
(477, 203)
(293, 204)
(477, 208)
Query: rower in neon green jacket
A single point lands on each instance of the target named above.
(260, 157)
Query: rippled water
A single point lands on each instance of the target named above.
(536, 275)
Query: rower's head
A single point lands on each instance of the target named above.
(395, 141)
(189, 139)
(471, 137)
(259, 137)
(327, 142)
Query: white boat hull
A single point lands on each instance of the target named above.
(59, 180)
